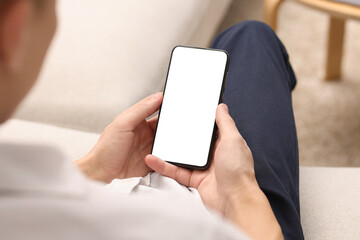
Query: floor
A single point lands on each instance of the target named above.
(327, 113)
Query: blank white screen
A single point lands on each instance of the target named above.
(188, 110)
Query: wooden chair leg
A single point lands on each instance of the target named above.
(271, 8)
(335, 49)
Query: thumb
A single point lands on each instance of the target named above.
(224, 121)
(141, 110)
(181, 175)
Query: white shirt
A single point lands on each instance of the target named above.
(44, 196)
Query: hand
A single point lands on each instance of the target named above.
(229, 185)
(123, 145)
(231, 171)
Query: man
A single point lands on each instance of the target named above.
(43, 196)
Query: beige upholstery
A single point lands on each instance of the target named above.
(108, 55)
(329, 202)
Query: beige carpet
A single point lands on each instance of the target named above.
(327, 114)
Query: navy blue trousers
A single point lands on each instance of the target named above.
(258, 93)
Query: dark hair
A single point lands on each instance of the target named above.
(4, 3)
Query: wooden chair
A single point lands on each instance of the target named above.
(339, 13)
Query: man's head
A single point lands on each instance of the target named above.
(26, 30)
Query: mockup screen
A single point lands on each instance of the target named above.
(187, 114)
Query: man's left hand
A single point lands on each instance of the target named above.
(122, 147)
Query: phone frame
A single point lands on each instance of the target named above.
(215, 128)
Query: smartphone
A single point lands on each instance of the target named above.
(194, 87)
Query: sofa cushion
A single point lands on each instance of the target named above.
(329, 202)
(109, 54)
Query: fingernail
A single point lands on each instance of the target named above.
(156, 96)
(223, 105)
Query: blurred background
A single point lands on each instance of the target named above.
(327, 113)
(106, 57)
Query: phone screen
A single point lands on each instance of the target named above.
(193, 89)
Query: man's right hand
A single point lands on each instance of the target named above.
(229, 184)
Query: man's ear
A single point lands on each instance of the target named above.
(14, 31)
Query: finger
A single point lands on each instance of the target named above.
(181, 175)
(153, 122)
(133, 116)
(224, 121)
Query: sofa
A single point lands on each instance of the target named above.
(107, 55)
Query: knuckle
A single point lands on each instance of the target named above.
(119, 122)
(247, 151)
(235, 137)
(177, 173)
(238, 140)
(232, 140)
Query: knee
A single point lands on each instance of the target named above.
(249, 30)
(253, 29)
(252, 25)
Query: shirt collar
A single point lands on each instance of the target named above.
(38, 170)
